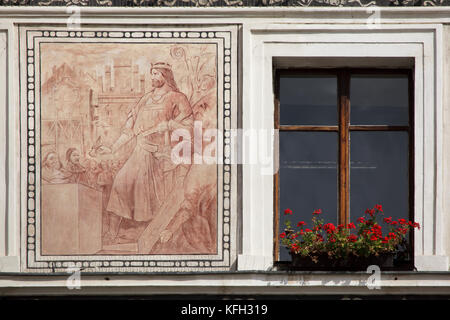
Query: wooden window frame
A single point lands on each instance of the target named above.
(343, 129)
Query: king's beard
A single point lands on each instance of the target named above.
(157, 83)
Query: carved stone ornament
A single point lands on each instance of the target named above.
(228, 3)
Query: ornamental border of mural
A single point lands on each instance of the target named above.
(32, 261)
(227, 3)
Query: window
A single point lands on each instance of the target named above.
(345, 144)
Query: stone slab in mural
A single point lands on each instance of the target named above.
(123, 145)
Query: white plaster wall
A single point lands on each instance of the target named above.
(9, 151)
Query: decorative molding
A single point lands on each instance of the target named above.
(227, 3)
(2, 44)
(33, 260)
(3, 136)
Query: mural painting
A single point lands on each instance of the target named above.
(111, 118)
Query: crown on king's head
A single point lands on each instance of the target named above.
(162, 65)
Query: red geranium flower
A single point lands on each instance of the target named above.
(340, 240)
(379, 207)
(329, 228)
(377, 227)
(392, 235)
(388, 220)
(301, 223)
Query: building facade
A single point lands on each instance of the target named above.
(152, 147)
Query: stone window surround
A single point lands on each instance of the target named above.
(269, 46)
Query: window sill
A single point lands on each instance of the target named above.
(286, 266)
(231, 283)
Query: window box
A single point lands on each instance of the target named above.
(385, 261)
(374, 240)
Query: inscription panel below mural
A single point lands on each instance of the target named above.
(122, 139)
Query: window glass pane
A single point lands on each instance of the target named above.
(379, 173)
(308, 100)
(308, 177)
(379, 100)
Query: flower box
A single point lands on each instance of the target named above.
(351, 263)
(324, 246)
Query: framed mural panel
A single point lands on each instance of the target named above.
(125, 149)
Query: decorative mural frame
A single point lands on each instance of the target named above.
(30, 40)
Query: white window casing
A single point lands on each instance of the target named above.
(266, 45)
